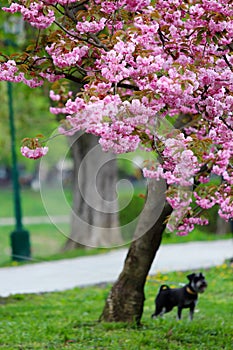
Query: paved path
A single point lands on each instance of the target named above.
(66, 274)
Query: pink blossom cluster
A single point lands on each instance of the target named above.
(61, 2)
(223, 197)
(136, 5)
(181, 219)
(36, 13)
(180, 201)
(205, 203)
(10, 72)
(130, 5)
(50, 77)
(180, 165)
(226, 207)
(64, 58)
(91, 27)
(53, 96)
(188, 225)
(105, 118)
(36, 153)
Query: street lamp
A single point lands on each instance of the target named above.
(20, 239)
(20, 242)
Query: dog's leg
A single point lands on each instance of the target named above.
(179, 311)
(159, 312)
(191, 311)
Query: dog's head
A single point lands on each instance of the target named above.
(197, 282)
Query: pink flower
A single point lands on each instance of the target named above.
(34, 14)
(91, 27)
(34, 153)
(53, 96)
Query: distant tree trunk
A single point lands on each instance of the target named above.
(94, 220)
(126, 298)
(222, 227)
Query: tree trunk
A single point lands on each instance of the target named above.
(94, 219)
(222, 227)
(126, 298)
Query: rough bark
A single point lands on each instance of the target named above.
(126, 298)
(94, 219)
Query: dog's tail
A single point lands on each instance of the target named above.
(164, 287)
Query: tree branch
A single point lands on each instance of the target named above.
(73, 78)
(128, 86)
(227, 62)
(97, 42)
(225, 123)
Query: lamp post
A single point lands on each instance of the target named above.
(20, 239)
(20, 242)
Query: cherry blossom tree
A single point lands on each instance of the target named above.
(141, 63)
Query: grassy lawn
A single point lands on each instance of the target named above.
(32, 203)
(69, 320)
(47, 240)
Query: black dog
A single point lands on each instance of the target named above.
(185, 297)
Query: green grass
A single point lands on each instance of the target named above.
(32, 203)
(69, 320)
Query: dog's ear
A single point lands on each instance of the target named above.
(191, 276)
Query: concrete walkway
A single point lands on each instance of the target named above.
(70, 273)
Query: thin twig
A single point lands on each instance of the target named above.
(225, 123)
